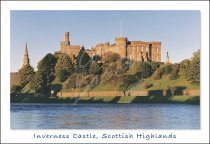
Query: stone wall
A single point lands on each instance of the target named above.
(191, 92)
(127, 93)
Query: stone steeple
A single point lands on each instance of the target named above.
(26, 57)
(167, 59)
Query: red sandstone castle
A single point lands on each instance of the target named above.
(134, 50)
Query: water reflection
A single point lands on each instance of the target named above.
(105, 116)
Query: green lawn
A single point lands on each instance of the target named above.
(164, 83)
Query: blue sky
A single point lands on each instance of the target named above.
(179, 31)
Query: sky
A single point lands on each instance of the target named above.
(178, 31)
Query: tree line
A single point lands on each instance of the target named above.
(85, 71)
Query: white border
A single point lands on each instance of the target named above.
(26, 136)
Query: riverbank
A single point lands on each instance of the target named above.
(107, 99)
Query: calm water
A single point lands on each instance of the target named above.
(105, 116)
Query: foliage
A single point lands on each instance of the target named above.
(145, 69)
(128, 81)
(175, 72)
(193, 71)
(183, 66)
(39, 82)
(71, 82)
(167, 69)
(25, 74)
(62, 75)
(95, 81)
(64, 66)
(95, 68)
(109, 57)
(85, 80)
(83, 61)
(158, 74)
(154, 65)
(96, 58)
(47, 66)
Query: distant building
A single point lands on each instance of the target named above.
(134, 50)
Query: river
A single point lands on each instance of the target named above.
(105, 116)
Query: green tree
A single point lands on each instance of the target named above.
(95, 68)
(175, 72)
(193, 71)
(83, 61)
(167, 69)
(25, 74)
(154, 65)
(47, 66)
(96, 58)
(62, 75)
(64, 64)
(183, 66)
(39, 82)
(145, 69)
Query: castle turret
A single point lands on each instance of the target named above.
(121, 44)
(26, 57)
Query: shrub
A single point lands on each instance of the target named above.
(154, 65)
(110, 57)
(147, 85)
(166, 69)
(158, 74)
(175, 72)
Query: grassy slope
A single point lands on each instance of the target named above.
(163, 83)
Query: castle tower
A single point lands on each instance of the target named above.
(167, 59)
(67, 38)
(26, 57)
(121, 44)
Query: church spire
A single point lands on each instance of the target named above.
(26, 57)
(167, 59)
